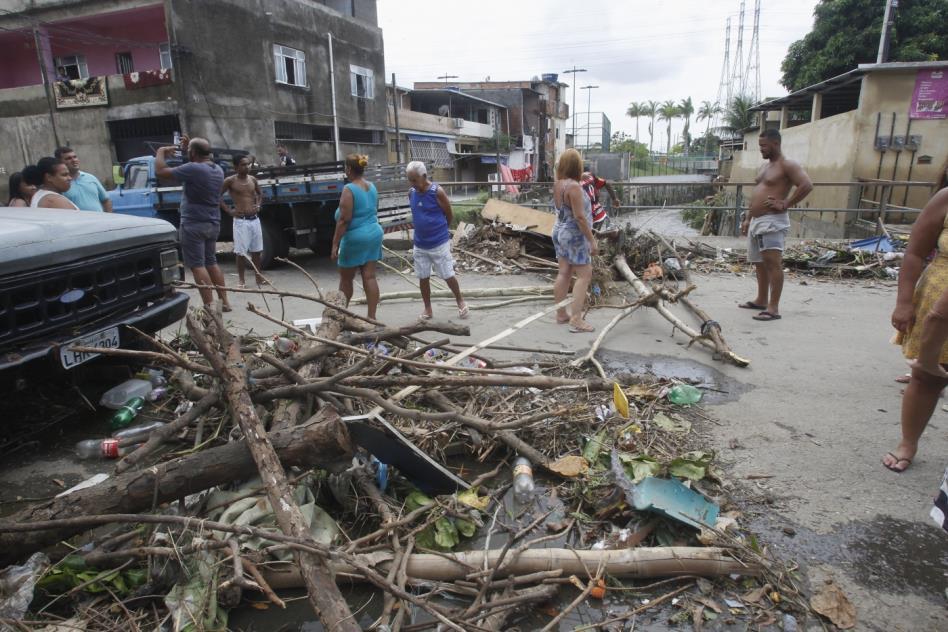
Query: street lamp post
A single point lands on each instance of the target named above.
(573, 71)
(588, 111)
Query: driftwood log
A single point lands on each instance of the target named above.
(321, 442)
(324, 596)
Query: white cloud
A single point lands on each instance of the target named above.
(633, 50)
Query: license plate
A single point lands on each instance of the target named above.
(107, 339)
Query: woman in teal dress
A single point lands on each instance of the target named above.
(357, 243)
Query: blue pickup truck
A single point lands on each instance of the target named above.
(299, 202)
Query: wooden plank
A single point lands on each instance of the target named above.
(522, 218)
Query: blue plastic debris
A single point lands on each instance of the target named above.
(873, 244)
(668, 497)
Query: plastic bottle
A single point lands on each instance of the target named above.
(684, 395)
(139, 430)
(117, 396)
(157, 394)
(102, 449)
(126, 413)
(523, 481)
(154, 376)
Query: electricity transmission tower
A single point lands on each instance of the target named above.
(752, 74)
(724, 87)
(738, 80)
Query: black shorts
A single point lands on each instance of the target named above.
(199, 243)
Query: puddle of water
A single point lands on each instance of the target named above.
(718, 387)
(884, 553)
(662, 221)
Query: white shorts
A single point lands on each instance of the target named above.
(248, 236)
(439, 258)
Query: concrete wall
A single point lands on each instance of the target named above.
(890, 93)
(229, 91)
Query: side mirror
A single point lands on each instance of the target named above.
(118, 176)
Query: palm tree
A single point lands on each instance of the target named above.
(686, 108)
(707, 112)
(738, 115)
(650, 109)
(635, 111)
(668, 111)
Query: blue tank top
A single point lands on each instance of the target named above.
(431, 224)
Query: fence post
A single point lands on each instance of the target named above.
(738, 200)
(883, 203)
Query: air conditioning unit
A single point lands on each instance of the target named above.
(458, 123)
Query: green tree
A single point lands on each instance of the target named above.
(846, 33)
(686, 108)
(668, 111)
(635, 111)
(706, 112)
(738, 115)
(650, 109)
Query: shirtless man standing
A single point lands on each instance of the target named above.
(248, 234)
(767, 222)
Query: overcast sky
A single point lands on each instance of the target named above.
(634, 50)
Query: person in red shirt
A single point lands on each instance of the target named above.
(592, 184)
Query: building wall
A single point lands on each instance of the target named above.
(890, 93)
(100, 56)
(229, 91)
(20, 66)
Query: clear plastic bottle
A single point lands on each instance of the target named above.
(523, 485)
(684, 395)
(102, 449)
(124, 416)
(139, 431)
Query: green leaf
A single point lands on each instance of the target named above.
(640, 466)
(446, 534)
(416, 500)
(465, 527)
(594, 447)
(692, 466)
(671, 424)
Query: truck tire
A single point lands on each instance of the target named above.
(274, 244)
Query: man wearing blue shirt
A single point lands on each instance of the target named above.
(86, 191)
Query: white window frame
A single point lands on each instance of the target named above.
(368, 81)
(74, 60)
(280, 55)
(164, 55)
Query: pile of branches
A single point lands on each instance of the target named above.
(257, 414)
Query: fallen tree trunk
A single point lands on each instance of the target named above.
(324, 442)
(650, 298)
(324, 596)
(663, 561)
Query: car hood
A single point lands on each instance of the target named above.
(41, 238)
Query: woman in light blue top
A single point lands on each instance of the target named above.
(357, 243)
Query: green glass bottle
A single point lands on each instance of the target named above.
(124, 415)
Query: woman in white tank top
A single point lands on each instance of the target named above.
(53, 181)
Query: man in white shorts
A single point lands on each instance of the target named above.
(431, 217)
(248, 235)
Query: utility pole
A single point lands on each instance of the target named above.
(588, 111)
(46, 87)
(398, 135)
(888, 20)
(573, 112)
(332, 92)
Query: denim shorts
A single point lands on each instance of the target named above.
(199, 243)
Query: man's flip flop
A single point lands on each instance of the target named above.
(585, 328)
(424, 317)
(766, 316)
(749, 305)
(897, 461)
(463, 312)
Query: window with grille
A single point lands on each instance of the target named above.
(431, 152)
(362, 82)
(124, 64)
(72, 66)
(290, 65)
(164, 55)
(285, 130)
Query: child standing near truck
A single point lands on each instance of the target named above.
(431, 216)
(248, 234)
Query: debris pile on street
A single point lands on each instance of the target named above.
(320, 457)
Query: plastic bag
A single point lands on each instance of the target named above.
(16, 586)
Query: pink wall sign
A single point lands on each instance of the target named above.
(930, 100)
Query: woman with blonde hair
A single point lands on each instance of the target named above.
(573, 240)
(357, 242)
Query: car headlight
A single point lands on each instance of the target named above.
(169, 266)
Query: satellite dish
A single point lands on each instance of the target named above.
(444, 110)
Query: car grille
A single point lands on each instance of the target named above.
(31, 303)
